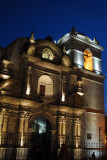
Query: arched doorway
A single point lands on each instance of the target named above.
(41, 136)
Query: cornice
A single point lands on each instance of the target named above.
(72, 36)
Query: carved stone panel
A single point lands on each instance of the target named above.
(11, 125)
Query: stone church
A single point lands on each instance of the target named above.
(51, 93)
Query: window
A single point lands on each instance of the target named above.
(88, 60)
(89, 136)
(45, 86)
(47, 54)
(42, 90)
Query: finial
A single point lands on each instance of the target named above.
(95, 41)
(73, 31)
(32, 39)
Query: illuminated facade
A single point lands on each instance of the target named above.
(52, 93)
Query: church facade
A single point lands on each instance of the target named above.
(51, 93)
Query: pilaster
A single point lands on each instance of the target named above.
(62, 129)
(28, 85)
(3, 123)
(23, 128)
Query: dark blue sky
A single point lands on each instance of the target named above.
(56, 18)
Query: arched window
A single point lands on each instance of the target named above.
(45, 86)
(88, 60)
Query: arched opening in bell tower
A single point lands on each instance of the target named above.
(41, 136)
(88, 60)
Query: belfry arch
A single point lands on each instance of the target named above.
(88, 60)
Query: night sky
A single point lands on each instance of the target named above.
(55, 17)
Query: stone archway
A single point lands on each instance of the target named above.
(45, 115)
(43, 136)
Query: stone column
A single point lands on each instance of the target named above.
(21, 122)
(5, 123)
(28, 87)
(21, 129)
(26, 125)
(59, 130)
(1, 118)
(60, 126)
(64, 127)
(63, 89)
(1, 122)
(79, 129)
(75, 128)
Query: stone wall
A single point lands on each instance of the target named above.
(94, 124)
(94, 94)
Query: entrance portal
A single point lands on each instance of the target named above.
(41, 136)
